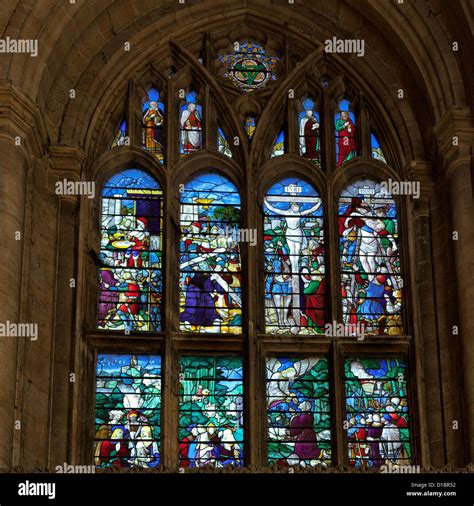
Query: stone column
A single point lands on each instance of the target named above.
(13, 178)
(65, 165)
(454, 133)
(427, 357)
(22, 139)
(462, 215)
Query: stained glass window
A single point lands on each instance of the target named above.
(210, 293)
(298, 412)
(190, 120)
(120, 137)
(249, 67)
(127, 411)
(222, 144)
(211, 411)
(377, 152)
(294, 259)
(370, 263)
(377, 422)
(309, 128)
(279, 145)
(153, 124)
(346, 139)
(130, 283)
(250, 125)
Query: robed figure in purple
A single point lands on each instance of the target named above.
(302, 427)
(200, 307)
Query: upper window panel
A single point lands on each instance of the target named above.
(190, 121)
(249, 67)
(294, 259)
(153, 124)
(346, 139)
(371, 283)
(130, 283)
(210, 293)
(377, 152)
(309, 128)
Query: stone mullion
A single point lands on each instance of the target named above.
(363, 131)
(173, 133)
(253, 391)
(170, 380)
(334, 313)
(134, 129)
(328, 161)
(292, 126)
(337, 406)
(207, 120)
(332, 256)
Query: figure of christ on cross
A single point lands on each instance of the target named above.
(294, 238)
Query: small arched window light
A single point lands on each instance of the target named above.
(309, 131)
(346, 134)
(153, 124)
(190, 120)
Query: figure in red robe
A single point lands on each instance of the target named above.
(114, 451)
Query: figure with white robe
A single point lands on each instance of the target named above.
(191, 129)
